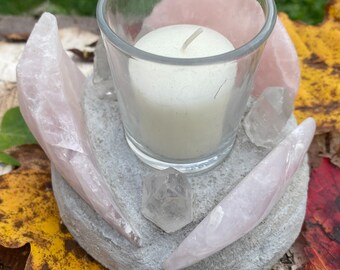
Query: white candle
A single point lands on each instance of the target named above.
(182, 108)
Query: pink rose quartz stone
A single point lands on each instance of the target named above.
(279, 64)
(248, 203)
(239, 21)
(50, 90)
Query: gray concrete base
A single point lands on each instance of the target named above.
(259, 249)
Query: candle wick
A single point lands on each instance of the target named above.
(191, 38)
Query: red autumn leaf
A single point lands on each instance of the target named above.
(322, 222)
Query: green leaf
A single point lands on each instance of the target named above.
(14, 131)
(7, 159)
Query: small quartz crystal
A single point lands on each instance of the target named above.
(102, 79)
(101, 64)
(268, 121)
(167, 199)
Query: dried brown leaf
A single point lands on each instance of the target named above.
(325, 145)
(17, 37)
(83, 55)
(15, 258)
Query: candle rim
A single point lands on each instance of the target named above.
(246, 49)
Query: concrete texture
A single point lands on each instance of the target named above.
(259, 249)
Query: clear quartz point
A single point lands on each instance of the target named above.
(101, 66)
(167, 199)
(102, 79)
(269, 119)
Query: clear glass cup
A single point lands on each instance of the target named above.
(182, 89)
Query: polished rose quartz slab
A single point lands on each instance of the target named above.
(239, 21)
(50, 89)
(248, 203)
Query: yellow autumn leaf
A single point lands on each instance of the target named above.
(318, 49)
(29, 214)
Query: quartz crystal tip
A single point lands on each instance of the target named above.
(167, 199)
(102, 80)
(101, 69)
(269, 119)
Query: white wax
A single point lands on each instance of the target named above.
(182, 108)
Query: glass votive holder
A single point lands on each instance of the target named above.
(183, 71)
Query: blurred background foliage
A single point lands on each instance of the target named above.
(309, 11)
